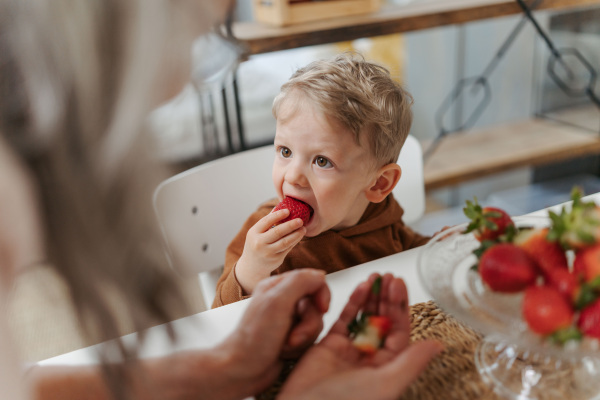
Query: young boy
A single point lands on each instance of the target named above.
(340, 127)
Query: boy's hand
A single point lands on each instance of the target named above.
(266, 247)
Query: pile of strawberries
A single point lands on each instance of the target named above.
(561, 294)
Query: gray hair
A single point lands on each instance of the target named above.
(77, 79)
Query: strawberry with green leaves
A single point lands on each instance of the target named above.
(578, 227)
(487, 223)
(576, 292)
(506, 268)
(298, 209)
(548, 254)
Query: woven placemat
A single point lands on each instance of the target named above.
(451, 375)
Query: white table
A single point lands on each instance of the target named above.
(208, 328)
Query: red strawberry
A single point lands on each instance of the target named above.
(587, 263)
(547, 254)
(487, 223)
(370, 333)
(545, 310)
(507, 268)
(589, 320)
(298, 209)
(563, 281)
(580, 226)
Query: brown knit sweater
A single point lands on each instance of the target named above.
(380, 232)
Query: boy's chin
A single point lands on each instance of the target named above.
(311, 232)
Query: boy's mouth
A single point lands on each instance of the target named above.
(306, 204)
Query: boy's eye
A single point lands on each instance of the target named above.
(322, 162)
(285, 152)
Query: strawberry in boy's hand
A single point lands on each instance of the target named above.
(298, 209)
(487, 223)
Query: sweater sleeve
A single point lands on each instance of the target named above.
(228, 288)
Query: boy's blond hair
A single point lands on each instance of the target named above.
(359, 94)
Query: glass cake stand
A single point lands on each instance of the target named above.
(516, 362)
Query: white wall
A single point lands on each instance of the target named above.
(435, 60)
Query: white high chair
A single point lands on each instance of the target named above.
(201, 210)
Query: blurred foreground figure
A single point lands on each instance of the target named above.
(77, 80)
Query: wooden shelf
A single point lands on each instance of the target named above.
(422, 14)
(462, 156)
(482, 152)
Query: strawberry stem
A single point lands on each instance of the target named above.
(588, 293)
(357, 324)
(562, 336)
(376, 287)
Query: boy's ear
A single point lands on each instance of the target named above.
(386, 179)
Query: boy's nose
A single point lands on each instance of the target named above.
(295, 175)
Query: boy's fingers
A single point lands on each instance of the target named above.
(286, 243)
(266, 222)
(276, 232)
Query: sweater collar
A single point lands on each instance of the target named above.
(376, 216)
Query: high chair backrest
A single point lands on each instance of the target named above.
(201, 210)
(410, 190)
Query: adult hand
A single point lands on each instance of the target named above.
(335, 369)
(265, 248)
(284, 317)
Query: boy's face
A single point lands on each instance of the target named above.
(318, 161)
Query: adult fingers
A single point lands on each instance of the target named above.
(306, 330)
(378, 289)
(271, 312)
(285, 290)
(394, 304)
(400, 372)
(355, 303)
